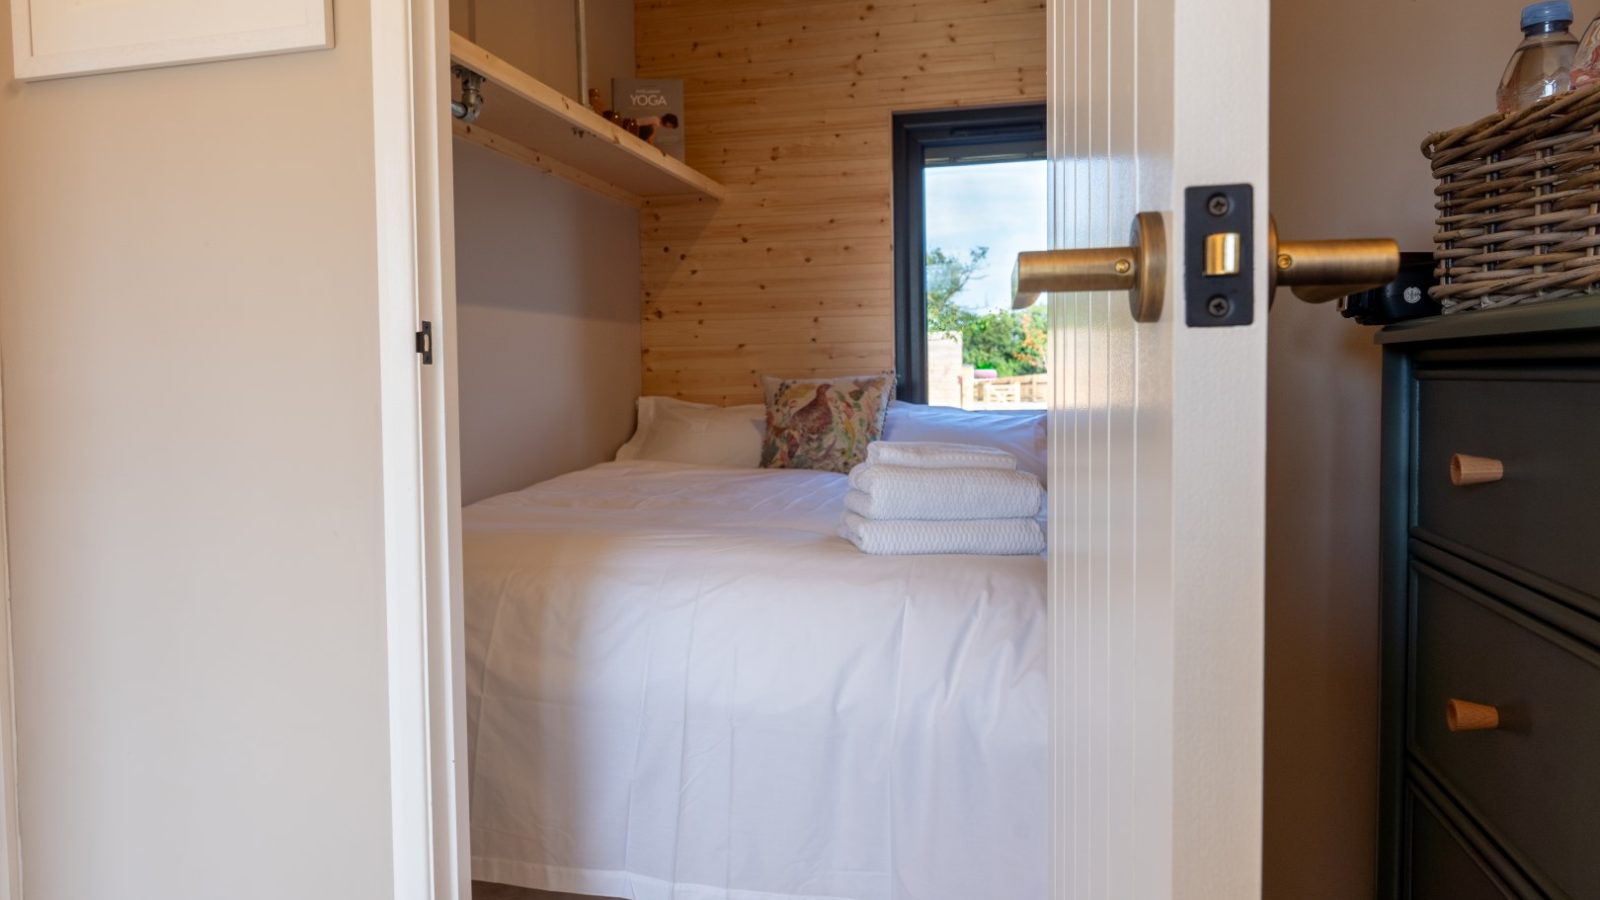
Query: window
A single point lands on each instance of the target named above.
(970, 193)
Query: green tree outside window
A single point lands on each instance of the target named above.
(1011, 343)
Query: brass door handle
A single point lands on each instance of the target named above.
(1141, 270)
(1319, 271)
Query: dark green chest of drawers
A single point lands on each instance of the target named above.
(1491, 607)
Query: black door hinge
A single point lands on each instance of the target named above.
(425, 343)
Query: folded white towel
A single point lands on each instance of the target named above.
(989, 537)
(902, 492)
(933, 455)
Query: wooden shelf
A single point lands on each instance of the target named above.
(528, 120)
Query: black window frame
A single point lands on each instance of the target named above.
(1022, 125)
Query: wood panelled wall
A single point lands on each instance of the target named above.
(789, 105)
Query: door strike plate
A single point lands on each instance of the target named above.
(425, 343)
(1218, 255)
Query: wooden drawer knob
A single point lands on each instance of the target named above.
(1465, 470)
(1462, 715)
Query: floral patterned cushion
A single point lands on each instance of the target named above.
(824, 423)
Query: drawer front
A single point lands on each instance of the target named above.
(1533, 781)
(1541, 515)
(1439, 865)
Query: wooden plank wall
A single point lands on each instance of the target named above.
(788, 104)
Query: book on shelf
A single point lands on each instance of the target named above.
(656, 104)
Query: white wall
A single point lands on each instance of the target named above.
(547, 327)
(547, 274)
(1356, 86)
(188, 329)
(540, 38)
(611, 53)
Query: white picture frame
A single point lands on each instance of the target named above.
(59, 38)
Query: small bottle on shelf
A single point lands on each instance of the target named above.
(1542, 65)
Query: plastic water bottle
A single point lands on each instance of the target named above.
(1586, 65)
(1542, 65)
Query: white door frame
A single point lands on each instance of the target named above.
(1156, 645)
(422, 539)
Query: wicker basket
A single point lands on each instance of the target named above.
(1519, 205)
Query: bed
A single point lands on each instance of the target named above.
(682, 684)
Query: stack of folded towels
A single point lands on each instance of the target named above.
(918, 498)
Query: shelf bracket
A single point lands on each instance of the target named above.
(470, 105)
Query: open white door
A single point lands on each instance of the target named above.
(1158, 432)
(1158, 437)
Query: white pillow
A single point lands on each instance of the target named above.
(1022, 433)
(679, 431)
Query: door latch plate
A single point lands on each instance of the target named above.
(1219, 287)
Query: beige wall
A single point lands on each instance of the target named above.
(547, 323)
(540, 38)
(789, 105)
(547, 274)
(188, 329)
(610, 43)
(1355, 87)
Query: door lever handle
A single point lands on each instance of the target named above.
(1141, 270)
(1319, 271)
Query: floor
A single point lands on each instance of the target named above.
(483, 890)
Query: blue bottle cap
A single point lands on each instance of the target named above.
(1545, 13)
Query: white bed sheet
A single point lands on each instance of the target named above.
(683, 684)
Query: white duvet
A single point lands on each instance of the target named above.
(683, 684)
